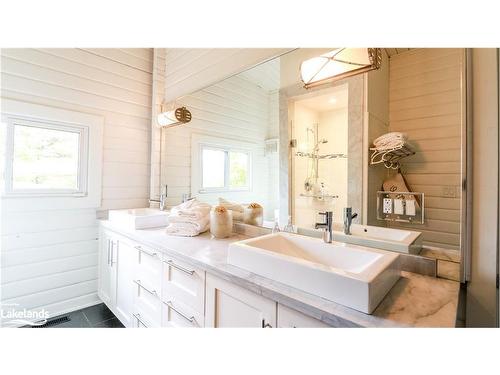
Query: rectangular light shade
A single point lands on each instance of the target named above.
(338, 64)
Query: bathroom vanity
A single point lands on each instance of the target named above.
(149, 279)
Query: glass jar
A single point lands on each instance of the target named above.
(253, 214)
(221, 222)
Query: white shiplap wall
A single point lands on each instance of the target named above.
(159, 95)
(426, 104)
(49, 257)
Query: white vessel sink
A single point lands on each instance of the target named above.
(402, 241)
(354, 276)
(139, 218)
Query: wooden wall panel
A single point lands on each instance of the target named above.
(425, 104)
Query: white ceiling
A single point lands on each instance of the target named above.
(336, 98)
(265, 75)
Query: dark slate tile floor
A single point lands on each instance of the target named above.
(98, 316)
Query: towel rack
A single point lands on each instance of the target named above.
(314, 156)
(391, 157)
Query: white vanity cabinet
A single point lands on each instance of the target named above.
(116, 271)
(147, 279)
(125, 256)
(146, 288)
(183, 294)
(289, 318)
(228, 305)
(107, 268)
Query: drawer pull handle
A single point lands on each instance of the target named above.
(153, 292)
(108, 250)
(180, 268)
(146, 252)
(138, 317)
(112, 258)
(189, 319)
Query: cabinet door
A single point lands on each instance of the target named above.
(125, 286)
(107, 272)
(229, 305)
(289, 318)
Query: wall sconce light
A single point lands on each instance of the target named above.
(174, 117)
(338, 64)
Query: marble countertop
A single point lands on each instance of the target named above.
(415, 300)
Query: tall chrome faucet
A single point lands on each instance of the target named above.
(348, 216)
(327, 225)
(163, 199)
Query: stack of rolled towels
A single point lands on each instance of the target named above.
(389, 141)
(189, 219)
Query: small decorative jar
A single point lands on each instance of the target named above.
(221, 222)
(253, 214)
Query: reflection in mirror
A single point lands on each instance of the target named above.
(231, 144)
(261, 137)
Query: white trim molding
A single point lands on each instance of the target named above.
(90, 128)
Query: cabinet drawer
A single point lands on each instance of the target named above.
(183, 283)
(148, 267)
(179, 315)
(140, 321)
(147, 304)
(289, 318)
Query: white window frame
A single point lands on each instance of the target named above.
(200, 142)
(13, 110)
(82, 172)
(227, 187)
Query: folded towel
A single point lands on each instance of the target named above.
(389, 141)
(191, 209)
(200, 224)
(189, 219)
(185, 229)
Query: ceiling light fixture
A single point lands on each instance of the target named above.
(338, 64)
(174, 117)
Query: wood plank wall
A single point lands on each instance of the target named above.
(49, 257)
(425, 102)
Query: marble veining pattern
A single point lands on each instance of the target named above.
(415, 300)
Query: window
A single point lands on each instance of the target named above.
(224, 169)
(45, 158)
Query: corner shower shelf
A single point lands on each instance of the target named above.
(391, 157)
(313, 156)
(319, 196)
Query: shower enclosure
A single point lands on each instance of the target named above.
(319, 135)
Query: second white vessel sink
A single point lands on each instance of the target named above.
(354, 276)
(400, 240)
(139, 218)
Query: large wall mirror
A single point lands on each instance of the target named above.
(260, 136)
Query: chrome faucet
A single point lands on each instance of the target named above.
(348, 216)
(163, 199)
(327, 226)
